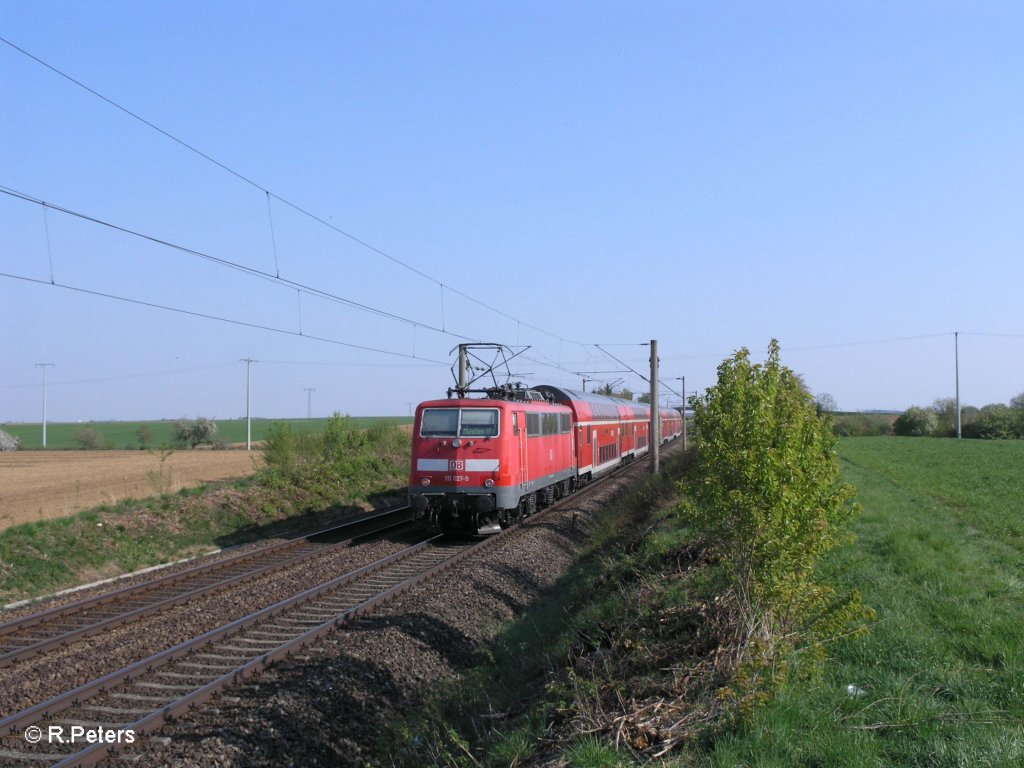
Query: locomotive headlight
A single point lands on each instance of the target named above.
(425, 481)
(456, 443)
(488, 483)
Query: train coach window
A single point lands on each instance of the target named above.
(479, 422)
(440, 422)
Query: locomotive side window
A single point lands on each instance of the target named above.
(479, 422)
(440, 422)
(550, 423)
(533, 424)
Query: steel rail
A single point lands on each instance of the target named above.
(205, 645)
(269, 621)
(33, 635)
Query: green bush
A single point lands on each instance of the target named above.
(860, 425)
(766, 495)
(342, 452)
(915, 422)
(194, 432)
(88, 438)
(993, 422)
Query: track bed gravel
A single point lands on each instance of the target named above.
(31, 681)
(325, 707)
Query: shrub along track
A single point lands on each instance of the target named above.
(328, 705)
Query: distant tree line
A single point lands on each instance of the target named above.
(623, 394)
(996, 421)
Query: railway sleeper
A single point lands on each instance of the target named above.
(142, 697)
(165, 687)
(119, 711)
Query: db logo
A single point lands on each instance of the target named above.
(458, 466)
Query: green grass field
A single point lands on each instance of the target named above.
(124, 434)
(940, 679)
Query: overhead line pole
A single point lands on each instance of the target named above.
(309, 402)
(682, 380)
(655, 410)
(248, 401)
(956, 359)
(44, 366)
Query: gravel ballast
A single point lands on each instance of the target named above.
(327, 706)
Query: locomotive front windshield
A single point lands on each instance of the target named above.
(459, 422)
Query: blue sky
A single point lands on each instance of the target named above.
(712, 175)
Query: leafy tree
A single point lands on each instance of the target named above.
(766, 494)
(194, 432)
(610, 391)
(915, 422)
(825, 403)
(144, 436)
(945, 417)
(89, 438)
(994, 422)
(644, 397)
(1017, 409)
(9, 442)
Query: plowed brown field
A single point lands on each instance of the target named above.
(36, 485)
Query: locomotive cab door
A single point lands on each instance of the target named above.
(519, 433)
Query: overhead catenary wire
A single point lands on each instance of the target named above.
(300, 288)
(124, 377)
(228, 264)
(319, 219)
(206, 316)
(624, 365)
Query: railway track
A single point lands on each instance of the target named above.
(141, 697)
(110, 714)
(41, 632)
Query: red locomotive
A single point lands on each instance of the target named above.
(481, 464)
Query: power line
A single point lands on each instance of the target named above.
(270, 194)
(260, 274)
(205, 316)
(245, 269)
(613, 357)
(816, 347)
(125, 377)
(993, 335)
(228, 264)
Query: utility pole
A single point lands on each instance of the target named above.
(248, 401)
(956, 358)
(44, 366)
(682, 380)
(309, 402)
(655, 410)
